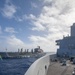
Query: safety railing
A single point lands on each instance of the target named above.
(40, 66)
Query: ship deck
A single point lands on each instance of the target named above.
(56, 68)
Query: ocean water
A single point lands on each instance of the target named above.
(15, 66)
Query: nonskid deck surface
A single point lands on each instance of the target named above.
(57, 69)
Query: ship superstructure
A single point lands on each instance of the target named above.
(67, 44)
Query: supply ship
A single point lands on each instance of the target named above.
(36, 52)
(60, 63)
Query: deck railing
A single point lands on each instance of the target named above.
(40, 66)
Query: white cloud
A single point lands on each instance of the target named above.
(34, 5)
(25, 17)
(13, 43)
(9, 9)
(48, 1)
(38, 26)
(31, 16)
(47, 44)
(56, 17)
(10, 30)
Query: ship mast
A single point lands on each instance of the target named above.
(7, 53)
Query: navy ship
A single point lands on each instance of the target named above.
(60, 63)
(37, 52)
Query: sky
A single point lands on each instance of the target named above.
(30, 23)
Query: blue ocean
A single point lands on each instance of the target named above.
(15, 66)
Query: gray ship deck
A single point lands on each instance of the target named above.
(56, 68)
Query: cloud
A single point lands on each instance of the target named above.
(25, 17)
(34, 5)
(13, 43)
(48, 1)
(56, 17)
(31, 16)
(33, 19)
(46, 43)
(10, 30)
(9, 10)
(38, 27)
